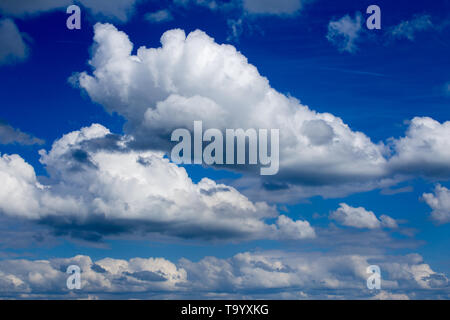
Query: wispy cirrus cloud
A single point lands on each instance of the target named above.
(344, 32)
(283, 8)
(121, 11)
(10, 135)
(242, 14)
(162, 15)
(273, 7)
(13, 46)
(409, 28)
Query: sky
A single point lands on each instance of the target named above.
(87, 179)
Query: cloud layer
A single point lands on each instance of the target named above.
(193, 78)
(99, 187)
(246, 275)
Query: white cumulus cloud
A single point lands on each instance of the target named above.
(439, 201)
(99, 187)
(194, 78)
(361, 218)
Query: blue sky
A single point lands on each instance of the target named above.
(374, 193)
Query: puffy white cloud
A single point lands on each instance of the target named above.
(99, 187)
(388, 222)
(296, 230)
(276, 270)
(162, 15)
(344, 33)
(9, 135)
(19, 189)
(408, 29)
(12, 44)
(439, 201)
(425, 149)
(247, 274)
(413, 269)
(193, 78)
(106, 275)
(361, 218)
